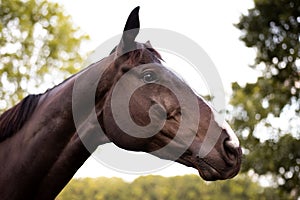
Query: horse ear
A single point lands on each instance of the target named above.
(130, 32)
(133, 22)
(148, 44)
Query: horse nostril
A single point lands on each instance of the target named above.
(231, 152)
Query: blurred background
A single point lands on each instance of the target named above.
(255, 45)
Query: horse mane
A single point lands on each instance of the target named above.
(13, 119)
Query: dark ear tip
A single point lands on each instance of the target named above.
(136, 9)
(133, 21)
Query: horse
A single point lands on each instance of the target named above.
(41, 150)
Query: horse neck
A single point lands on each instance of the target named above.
(46, 150)
(75, 153)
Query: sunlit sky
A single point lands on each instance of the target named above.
(209, 23)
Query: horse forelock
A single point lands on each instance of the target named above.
(13, 119)
(142, 55)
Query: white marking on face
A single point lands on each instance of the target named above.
(233, 138)
(234, 141)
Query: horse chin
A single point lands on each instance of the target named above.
(210, 174)
(205, 170)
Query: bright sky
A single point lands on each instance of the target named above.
(209, 23)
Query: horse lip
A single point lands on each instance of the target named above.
(208, 174)
(220, 175)
(227, 173)
(212, 175)
(207, 171)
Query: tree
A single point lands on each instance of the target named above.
(189, 187)
(267, 113)
(36, 39)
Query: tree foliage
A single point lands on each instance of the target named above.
(189, 187)
(36, 39)
(267, 113)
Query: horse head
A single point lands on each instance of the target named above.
(143, 112)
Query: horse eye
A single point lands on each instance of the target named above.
(149, 77)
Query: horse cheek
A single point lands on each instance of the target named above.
(119, 137)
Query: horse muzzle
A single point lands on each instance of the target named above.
(222, 162)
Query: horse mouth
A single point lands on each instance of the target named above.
(210, 173)
(207, 171)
